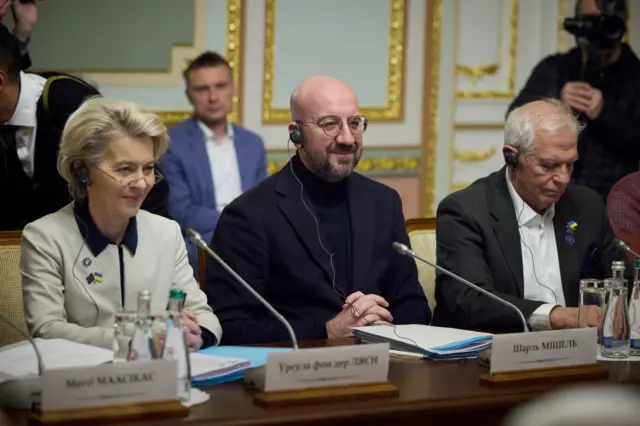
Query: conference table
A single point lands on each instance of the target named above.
(431, 393)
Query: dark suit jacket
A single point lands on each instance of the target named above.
(478, 239)
(271, 240)
(46, 192)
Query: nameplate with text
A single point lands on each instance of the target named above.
(330, 366)
(543, 349)
(109, 384)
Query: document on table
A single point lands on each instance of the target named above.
(20, 359)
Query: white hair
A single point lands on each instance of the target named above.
(523, 123)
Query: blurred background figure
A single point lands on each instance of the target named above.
(599, 80)
(595, 405)
(25, 17)
(210, 161)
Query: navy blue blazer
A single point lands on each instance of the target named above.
(186, 167)
(270, 239)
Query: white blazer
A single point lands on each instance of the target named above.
(69, 293)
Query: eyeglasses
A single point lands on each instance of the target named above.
(332, 125)
(128, 175)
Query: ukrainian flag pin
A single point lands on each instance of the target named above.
(572, 225)
(97, 276)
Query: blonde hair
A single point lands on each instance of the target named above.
(523, 123)
(91, 128)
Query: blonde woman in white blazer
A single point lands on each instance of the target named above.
(83, 263)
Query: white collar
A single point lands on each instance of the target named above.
(30, 91)
(208, 134)
(524, 212)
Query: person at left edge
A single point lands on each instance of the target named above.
(33, 112)
(90, 259)
(25, 17)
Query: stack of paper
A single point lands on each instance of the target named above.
(254, 356)
(432, 342)
(209, 367)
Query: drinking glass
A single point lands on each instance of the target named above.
(124, 327)
(615, 321)
(592, 293)
(159, 325)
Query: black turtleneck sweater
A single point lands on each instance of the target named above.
(329, 203)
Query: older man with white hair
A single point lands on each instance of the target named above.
(524, 232)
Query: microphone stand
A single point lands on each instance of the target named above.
(197, 239)
(404, 250)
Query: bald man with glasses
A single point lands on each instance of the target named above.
(315, 239)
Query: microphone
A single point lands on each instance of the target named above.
(22, 392)
(26, 336)
(406, 251)
(197, 239)
(624, 246)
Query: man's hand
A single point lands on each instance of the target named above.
(359, 310)
(583, 98)
(562, 318)
(25, 17)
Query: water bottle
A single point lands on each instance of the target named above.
(634, 311)
(143, 346)
(615, 313)
(175, 343)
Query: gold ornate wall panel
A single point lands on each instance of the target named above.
(392, 112)
(476, 72)
(233, 54)
(431, 90)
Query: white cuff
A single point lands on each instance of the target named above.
(539, 319)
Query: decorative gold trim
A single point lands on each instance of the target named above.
(513, 56)
(470, 156)
(478, 126)
(459, 186)
(392, 112)
(431, 89)
(367, 165)
(233, 54)
(420, 224)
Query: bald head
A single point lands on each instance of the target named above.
(317, 95)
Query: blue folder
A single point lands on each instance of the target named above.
(257, 356)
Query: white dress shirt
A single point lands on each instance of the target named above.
(540, 262)
(224, 166)
(24, 117)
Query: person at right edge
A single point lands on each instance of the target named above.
(599, 79)
(524, 232)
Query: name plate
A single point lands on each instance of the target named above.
(331, 366)
(109, 384)
(543, 349)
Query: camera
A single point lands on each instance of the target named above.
(601, 31)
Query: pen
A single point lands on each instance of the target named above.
(408, 355)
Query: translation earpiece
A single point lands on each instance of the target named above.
(82, 174)
(295, 136)
(511, 157)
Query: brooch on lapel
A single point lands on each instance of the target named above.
(94, 278)
(569, 237)
(86, 262)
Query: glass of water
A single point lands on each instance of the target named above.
(592, 293)
(615, 328)
(124, 327)
(159, 325)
